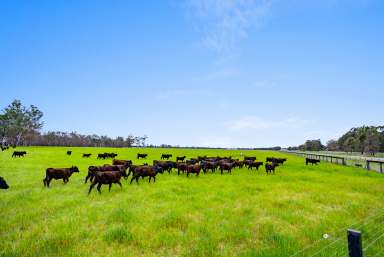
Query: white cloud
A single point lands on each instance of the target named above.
(223, 23)
(259, 123)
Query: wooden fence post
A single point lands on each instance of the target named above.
(368, 168)
(355, 248)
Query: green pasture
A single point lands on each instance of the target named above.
(246, 213)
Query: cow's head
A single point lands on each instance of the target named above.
(3, 184)
(74, 169)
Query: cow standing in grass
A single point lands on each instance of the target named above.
(269, 167)
(255, 165)
(142, 156)
(180, 158)
(193, 168)
(146, 171)
(107, 178)
(19, 153)
(86, 155)
(59, 173)
(311, 161)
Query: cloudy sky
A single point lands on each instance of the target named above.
(247, 73)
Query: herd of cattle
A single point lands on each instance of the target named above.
(109, 174)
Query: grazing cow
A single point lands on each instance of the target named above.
(86, 155)
(269, 167)
(69, 152)
(312, 161)
(142, 156)
(166, 156)
(19, 153)
(59, 173)
(193, 168)
(181, 166)
(209, 165)
(92, 170)
(106, 178)
(3, 148)
(276, 160)
(122, 162)
(180, 158)
(3, 184)
(253, 158)
(255, 165)
(239, 164)
(224, 165)
(146, 171)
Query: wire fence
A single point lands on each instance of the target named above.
(336, 243)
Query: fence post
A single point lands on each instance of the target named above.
(381, 167)
(355, 248)
(368, 168)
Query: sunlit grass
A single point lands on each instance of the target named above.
(244, 214)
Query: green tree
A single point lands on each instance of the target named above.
(16, 121)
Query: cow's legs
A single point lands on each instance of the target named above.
(98, 188)
(110, 185)
(90, 188)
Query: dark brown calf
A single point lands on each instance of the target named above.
(93, 170)
(86, 155)
(193, 168)
(58, 173)
(146, 171)
(269, 167)
(106, 178)
(255, 165)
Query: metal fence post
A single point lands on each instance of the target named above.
(355, 248)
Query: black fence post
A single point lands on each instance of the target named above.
(355, 248)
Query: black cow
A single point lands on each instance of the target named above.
(3, 184)
(209, 165)
(59, 173)
(255, 165)
(180, 158)
(69, 152)
(142, 156)
(86, 155)
(19, 153)
(312, 161)
(181, 166)
(224, 165)
(166, 156)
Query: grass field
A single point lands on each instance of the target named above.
(244, 214)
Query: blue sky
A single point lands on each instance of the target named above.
(197, 72)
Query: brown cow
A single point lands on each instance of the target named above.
(58, 173)
(92, 170)
(122, 162)
(146, 171)
(86, 155)
(226, 166)
(269, 167)
(193, 168)
(106, 178)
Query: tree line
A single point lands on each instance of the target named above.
(21, 125)
(365, 140)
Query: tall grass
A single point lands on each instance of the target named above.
(244, 214)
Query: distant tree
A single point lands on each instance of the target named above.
(350, 144)
(372, 142)
(333, 145)
(312, 145)
(17, 121)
